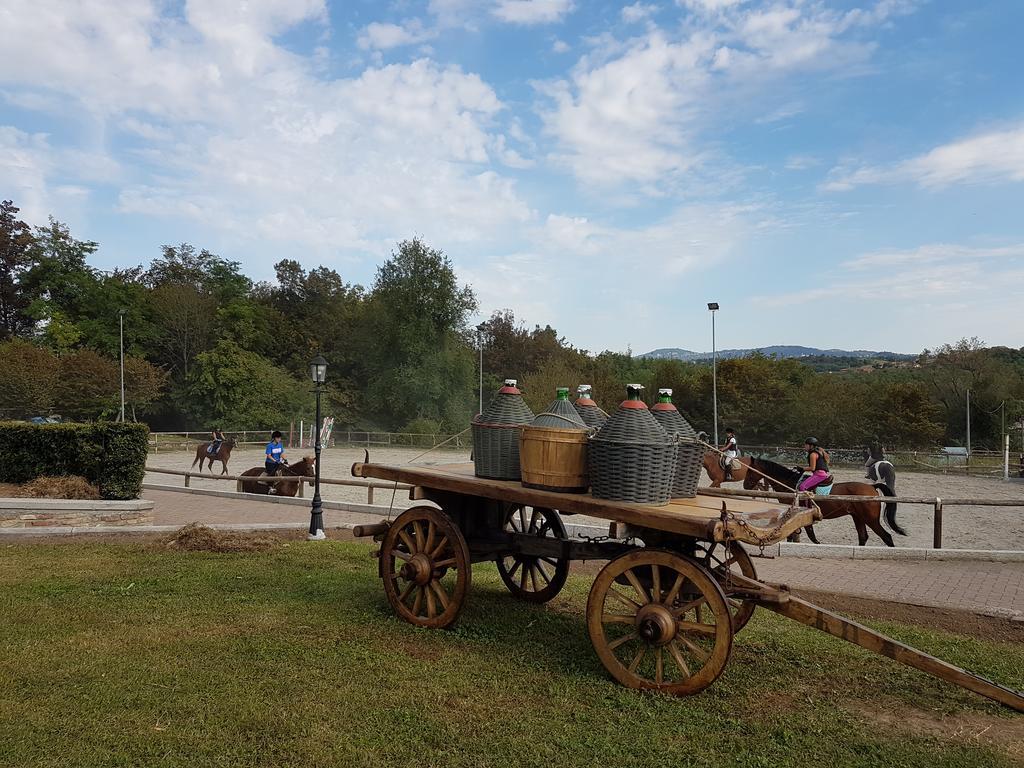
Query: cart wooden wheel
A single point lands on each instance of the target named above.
(425, 566)
(669, 629)
(721, 560)
(530, 577)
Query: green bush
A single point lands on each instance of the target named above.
(109, 455)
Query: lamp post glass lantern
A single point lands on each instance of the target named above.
(713, 307)
(318, 372)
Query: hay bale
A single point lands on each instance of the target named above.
(195, 537)
(71, 487)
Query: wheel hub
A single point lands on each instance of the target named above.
(655, 625)
(419, 569)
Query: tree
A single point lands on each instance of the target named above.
(185, 317)
(15, 260)
(237, 389)
(29, 379)
(89, 386)
(415, 344)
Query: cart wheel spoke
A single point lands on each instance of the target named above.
(617, 618)
(635, 582)
(417, 534)
(658, 666)
(442, 595)
(656, 585)
(522, 578)
(534, 515)
(696, 628)
(407, 591)
(522, 519)
(674, 592)
(409, 543)
(673, 650)
(619, 641)
(440, 547)
(682, 610)
(550, 561)
(638, 658)
(418, 602)
(431, 532)
(543, 573)
(431, 602)
(695, 649)
(404, 556)
(626, 601)
(734, 561)
(533, 577)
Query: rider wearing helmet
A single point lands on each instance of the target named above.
(816, 472)
(274, 458)
(730, 453)
(216, 440)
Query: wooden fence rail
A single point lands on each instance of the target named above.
(937, 504)
(303, 481)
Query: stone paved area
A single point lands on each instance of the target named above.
(983, 587)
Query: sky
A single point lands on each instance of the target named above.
(833, 173)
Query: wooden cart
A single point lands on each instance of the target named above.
(662, 614)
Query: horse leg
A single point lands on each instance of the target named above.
(862, 533)
(875, 524)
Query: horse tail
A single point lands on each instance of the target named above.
(890, 509)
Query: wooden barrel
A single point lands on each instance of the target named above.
(554, 459)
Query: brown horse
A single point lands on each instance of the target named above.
(304, 468)
(866, 514)
(713, 466)
(222, 455)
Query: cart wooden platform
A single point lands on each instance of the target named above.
(662, 614)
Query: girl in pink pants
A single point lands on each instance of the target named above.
(817, 465)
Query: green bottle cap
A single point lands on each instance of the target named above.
(562, 393)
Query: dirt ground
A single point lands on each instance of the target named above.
(967, 527)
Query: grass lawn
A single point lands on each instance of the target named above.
(129, 654)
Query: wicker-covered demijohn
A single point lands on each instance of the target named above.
(632, 458)
(553, 449)
(591, 413)
(690, 456)
(496, 434)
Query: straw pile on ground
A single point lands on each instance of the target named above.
(200, 538)
(71, 487)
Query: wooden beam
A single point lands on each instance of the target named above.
(858, 634)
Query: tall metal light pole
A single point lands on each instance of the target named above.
(120, 317)
(318, 372)
(713, 306)
(480, 343)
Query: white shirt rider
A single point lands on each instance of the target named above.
(731, 448)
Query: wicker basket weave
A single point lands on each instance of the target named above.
(632, 458)
(690, 456)
(496, 434)
(591, 413)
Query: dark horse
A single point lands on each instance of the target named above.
(222, 455)
(304, 468)
(866, 514)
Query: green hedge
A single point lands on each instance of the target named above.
(112, 456)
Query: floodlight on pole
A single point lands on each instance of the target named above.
(713, 307)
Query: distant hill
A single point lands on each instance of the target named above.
(781, 350)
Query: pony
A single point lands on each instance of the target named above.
(222, 455)
(304, 468)
(716, 473)
(866, 514)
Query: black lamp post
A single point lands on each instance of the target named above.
(318, 372)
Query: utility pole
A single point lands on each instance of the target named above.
(120, 315)
(480, 343)
(968, 426)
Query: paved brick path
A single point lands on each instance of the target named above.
(983, 587)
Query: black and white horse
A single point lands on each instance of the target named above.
(879, 469)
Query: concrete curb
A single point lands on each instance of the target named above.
(151, 529)
(846, 551)
(86, 505)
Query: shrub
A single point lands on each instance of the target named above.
(110, 456)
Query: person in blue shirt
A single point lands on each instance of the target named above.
(274, 458)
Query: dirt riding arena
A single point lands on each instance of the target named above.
(973, 527)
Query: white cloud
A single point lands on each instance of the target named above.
(560, 46)
(377, 36)
(251, 140)
(801, 162)
(637, 12)
(634, 110)
(529, 12)
(934, 275)
(988, 158)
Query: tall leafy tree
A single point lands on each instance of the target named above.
(15, 260)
